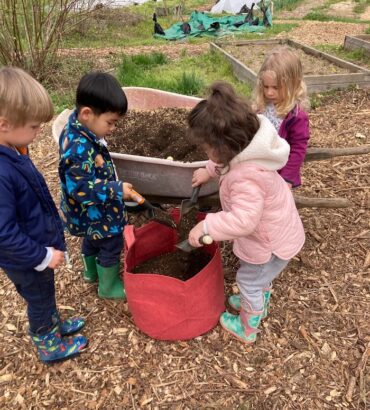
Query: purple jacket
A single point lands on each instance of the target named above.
(295, 130)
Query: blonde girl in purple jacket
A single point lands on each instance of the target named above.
(281, 96)
(258, 210)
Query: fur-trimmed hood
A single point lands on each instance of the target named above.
(266, 149)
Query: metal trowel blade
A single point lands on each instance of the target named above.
(184, 246)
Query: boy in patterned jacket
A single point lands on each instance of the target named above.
(92, 198)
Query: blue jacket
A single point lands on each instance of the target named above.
(92, 198)
(29, 220)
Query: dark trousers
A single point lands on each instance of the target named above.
(37, 289)
(107, 250)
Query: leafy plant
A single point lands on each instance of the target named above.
(30, 31)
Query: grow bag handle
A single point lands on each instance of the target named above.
(129, 235)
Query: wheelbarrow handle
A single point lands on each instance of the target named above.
(195, 194)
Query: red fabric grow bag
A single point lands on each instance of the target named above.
(167, 308)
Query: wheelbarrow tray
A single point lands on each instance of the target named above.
(152, 177)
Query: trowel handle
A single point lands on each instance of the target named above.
(139, 199)
(195, 194)
(205, 240)
(136, 197)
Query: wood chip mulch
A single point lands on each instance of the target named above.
(313, 348)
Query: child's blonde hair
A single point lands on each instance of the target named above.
(22, 98)
(286, 66)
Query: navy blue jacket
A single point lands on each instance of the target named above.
(29, 220)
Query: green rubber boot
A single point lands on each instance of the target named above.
(90, 274)
(110, 284)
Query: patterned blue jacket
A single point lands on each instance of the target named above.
(92, 198)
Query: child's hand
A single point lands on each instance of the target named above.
(200, 177)
(127, 190)
(57, 259)
(195, 234)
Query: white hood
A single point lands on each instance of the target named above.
(266, 149)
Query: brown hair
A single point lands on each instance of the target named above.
(286, 67)
(22, 98)
(225, 121)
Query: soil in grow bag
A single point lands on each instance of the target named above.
(178, 264)
(188, 221)
(160, 133)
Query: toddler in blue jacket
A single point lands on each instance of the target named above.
(92, 196)
(31, 235)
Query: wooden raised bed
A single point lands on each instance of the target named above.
(361, 42)
(353, 74)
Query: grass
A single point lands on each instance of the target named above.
(320, 13)
(133, 26)
(188, 75)
(286, 4)
(360, 6)
(357, 56)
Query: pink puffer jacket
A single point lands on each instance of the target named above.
(258, 208)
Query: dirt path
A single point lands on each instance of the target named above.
(318, 32)
(301, 10)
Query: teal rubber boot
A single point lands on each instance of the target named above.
(244, 326)
(68, 327)
(90, 274)
(53, 348)
(234, 302)
(110, 284)
(266, 302)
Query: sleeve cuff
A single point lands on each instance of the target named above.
(205, 227)
(44, 264)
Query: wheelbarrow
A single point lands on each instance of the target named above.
(154, 178)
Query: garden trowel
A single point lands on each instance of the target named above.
(188, 204)
(186, 247)
(155, 213)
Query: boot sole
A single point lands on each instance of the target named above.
(63, 359)
(235, 335)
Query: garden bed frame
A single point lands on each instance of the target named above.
(315, 83)
(361, 42)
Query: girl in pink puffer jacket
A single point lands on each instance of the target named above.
(258, 210)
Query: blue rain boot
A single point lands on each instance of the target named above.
(68, 326)
(243, 326)
(53, 348)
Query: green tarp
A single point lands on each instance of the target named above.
(201, 25)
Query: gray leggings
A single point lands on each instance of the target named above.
(253, 279)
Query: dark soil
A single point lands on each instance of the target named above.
(178, 264)
(160, 133)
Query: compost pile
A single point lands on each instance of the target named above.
(159, 133)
